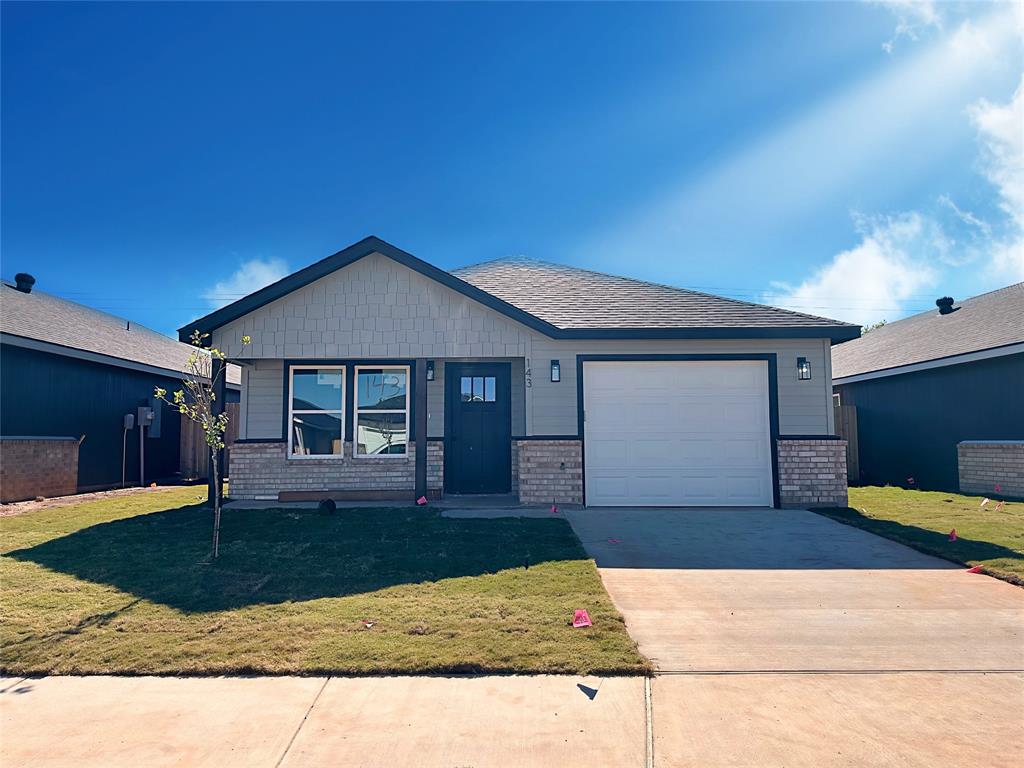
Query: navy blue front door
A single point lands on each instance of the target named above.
(478, 428)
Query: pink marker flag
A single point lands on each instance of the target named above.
(580, 618)
(975, 569)
(952, 535)
(998, 488)
(421, 500)
(554, 509)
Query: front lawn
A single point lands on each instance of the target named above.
(986, 536)
(125, 585)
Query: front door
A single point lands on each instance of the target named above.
(478, 424)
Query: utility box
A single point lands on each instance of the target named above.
(156, 406)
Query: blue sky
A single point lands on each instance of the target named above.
(852, 160)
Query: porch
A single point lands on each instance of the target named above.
(372, 430)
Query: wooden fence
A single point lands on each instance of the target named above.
(846, 428)
(193, 459)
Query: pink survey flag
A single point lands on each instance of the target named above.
(998, 488)
(580, 618)
(952, 535)
(554, 509)
(975, 569)
(421, 500)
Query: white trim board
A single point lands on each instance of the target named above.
(942, 362)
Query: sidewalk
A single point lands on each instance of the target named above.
(291, 721)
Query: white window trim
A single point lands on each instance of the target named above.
(355, 413)
(292, 412)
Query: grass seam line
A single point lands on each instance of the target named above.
(302, 722)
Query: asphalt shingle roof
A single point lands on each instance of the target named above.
(44, 317)
(573, 298)
(984, 322)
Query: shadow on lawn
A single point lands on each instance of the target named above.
(924, 540)
(275, 556)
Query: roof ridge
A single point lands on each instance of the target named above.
(638, 281)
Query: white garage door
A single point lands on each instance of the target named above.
(677, 433)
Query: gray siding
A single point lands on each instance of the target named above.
(803, 405)
(264, 415)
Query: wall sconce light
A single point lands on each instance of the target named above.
(803, 369)
(430, 370)
(556, 370)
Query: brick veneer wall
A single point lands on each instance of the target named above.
(549, 469)
(515, 466)
(812, 473)
(37, 466)
(260, 470)
(984, 464)
(435, 465)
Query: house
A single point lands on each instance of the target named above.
(373, 374)
(69, 374)
(922, 385)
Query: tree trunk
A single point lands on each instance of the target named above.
(216, 506)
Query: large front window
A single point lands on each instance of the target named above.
(382, 411)
(316, 411)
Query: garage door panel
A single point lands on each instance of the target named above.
(607, 452)
(677, 433)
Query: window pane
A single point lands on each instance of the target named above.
(489, 389)
(316, 389)
(478, 388)
(316, 434)
(381, 434)
(467, 389)
(382, 388)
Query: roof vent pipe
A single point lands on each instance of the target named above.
(24, 282)
(945, 305)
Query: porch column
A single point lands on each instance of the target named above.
(219, 378)
(420, 414)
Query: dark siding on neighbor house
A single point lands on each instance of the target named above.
(52, 395)
(909, 425)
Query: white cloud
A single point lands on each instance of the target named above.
(912, 18)
(1001, 130)
(250, 276)
(870, 282)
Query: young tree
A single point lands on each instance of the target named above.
(198, 402)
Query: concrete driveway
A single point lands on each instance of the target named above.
(784, 638)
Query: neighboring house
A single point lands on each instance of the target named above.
(924, 384)
(373, 374)
(69, 371)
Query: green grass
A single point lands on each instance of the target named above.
(923, 519)
(125, 586)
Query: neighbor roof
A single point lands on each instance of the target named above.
(566, 302)
(985, 322)
(40, 316)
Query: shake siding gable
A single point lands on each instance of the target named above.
(374, 307)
